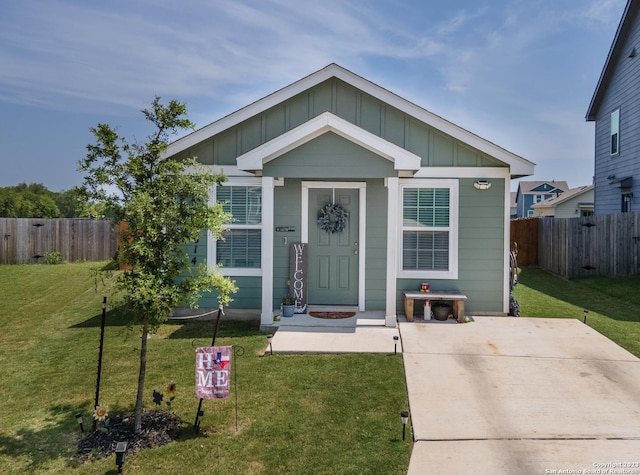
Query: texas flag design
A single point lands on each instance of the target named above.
(222, 360)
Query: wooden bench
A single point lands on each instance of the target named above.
(456, 298)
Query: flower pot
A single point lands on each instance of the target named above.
(441, 312)
(288, 310)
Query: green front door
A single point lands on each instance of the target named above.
(333, 257)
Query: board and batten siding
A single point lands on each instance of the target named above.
(622, 92)
(351, 104)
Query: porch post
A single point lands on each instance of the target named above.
(266, 315)
(392, 250)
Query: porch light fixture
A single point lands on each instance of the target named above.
(121, 450)
(404, 415)
(78, 416)
(269, 337)
(482, 184)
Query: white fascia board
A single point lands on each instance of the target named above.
(519, 166)
(327, 122)
(251, 110)
(463, 172)
(227, 170)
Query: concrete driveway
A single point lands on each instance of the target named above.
(520, 395)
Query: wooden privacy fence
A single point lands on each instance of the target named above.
(595, 245)
(524, 233)
(28, 241)
(580, 247)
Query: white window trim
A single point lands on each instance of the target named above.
(615, 112)
(212, 243)
(454, 203)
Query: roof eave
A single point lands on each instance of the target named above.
(616, 45)
(519, 165)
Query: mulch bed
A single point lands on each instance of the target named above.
(158, 428)
(332, 315)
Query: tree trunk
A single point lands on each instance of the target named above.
(141, 376)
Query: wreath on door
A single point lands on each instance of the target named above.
(332, 218)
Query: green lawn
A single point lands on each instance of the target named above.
(296, 414)
(613, 303)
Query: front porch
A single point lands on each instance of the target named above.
(364, 332)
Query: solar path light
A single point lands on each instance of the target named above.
(404, 415)
(121, 451)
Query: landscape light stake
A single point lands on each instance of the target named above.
(405, 418)
(395, 344)
(104, 314)
(80, 422)
(200, 412)
(585, 315)
(121, 451)
(269, 337)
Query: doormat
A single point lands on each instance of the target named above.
(332, 315)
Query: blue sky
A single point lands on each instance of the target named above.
(519, 73)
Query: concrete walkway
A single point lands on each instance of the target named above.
(500, 395)
(520, 395)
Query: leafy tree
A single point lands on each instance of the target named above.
(71, 203)
(36, 201)
(164, 208)
(27, 201)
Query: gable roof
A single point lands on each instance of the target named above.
(525, 187)
(327, 122)
(615, 52)
(556, 200)
(518, 166)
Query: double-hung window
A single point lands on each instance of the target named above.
(615, 132)
(429, 240)
(240, 251)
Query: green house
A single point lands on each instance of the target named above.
(344, 193)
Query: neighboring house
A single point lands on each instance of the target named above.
(575, 203)
(533, 192)
(425, 200)
(513, 207)
(615, 108)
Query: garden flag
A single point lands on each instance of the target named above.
(213, 369)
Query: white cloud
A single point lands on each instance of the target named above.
(605, 12)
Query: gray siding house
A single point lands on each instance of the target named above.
(419, 199)
(615, 108)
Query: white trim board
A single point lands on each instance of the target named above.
(327, 122)
(519, 166)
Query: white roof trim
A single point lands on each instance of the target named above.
(619, 41)
(519, 166)
(327, 122)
